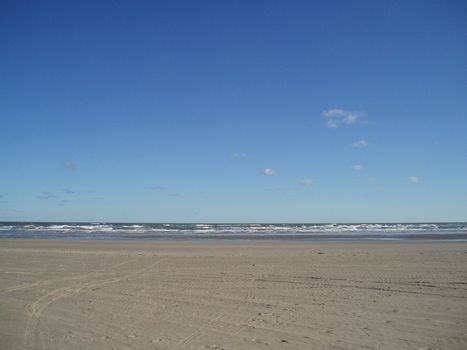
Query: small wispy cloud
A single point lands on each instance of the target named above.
(307, 182)
(413, 179)
(240, 155)
(360, 144)
(70, 166)
(338, 117)
(357, 167)
(64, 202)
(70, 191)
(157, 188)
(279, 189)
(46, 195)
(269, 172)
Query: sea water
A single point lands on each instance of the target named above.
(248, 231)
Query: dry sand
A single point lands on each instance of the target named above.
(134, 295)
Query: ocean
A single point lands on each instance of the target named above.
(450, 231)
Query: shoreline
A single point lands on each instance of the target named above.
(281, 239)
(141, 244)
(103, 294)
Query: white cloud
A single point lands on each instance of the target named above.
(338, 117)
(46, 195)
(332, 123)
(307, 182)
(269, 172)
(360, 144)
(157, 188)
(357, 167)
(413, 179)
(239, 155)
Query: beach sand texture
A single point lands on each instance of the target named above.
(147, 295)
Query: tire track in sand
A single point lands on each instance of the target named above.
(36, 308)
(55, 280)
(230, 312)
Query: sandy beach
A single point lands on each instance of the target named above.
(147, 295)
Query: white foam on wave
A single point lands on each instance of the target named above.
(120, 231)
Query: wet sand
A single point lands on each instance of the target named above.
(148, 295)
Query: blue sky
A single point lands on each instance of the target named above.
(233, 111)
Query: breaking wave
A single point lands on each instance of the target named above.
(168, 231)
